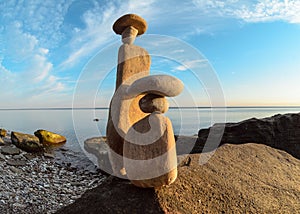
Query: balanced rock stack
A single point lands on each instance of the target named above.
(140, 137)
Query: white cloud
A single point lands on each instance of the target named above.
(36, 39)
(25, 67)
(42, 18)
(190, 64)
(253, 11)
(98, 27)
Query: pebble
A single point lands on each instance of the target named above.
(12, 162)
(29, 156)
(15, 170)
(48, 155)
(2, 157)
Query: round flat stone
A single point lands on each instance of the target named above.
(130, 20)
(163, 85)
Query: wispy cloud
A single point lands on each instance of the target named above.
(25, 65)
(97, 31)
(190, 65)
(253, 11)
(40, 39)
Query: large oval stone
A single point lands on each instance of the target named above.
(163, 85)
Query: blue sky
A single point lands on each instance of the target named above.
(252, 46)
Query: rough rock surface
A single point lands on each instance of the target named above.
(49, 138)
(235, 180)
(133, 63)
(27, 142)
(279, 131)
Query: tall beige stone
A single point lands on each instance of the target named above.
(140, 137)
(133, 63)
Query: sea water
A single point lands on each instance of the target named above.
(80, 124)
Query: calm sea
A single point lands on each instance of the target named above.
(78, 125)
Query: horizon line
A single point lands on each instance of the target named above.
(173, 107)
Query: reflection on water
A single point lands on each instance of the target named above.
(78, 125)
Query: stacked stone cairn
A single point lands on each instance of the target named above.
(140, 137)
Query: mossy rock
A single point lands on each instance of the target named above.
(3, 133)
(26, 142)
(49, 138)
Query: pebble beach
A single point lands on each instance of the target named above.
(44, 182)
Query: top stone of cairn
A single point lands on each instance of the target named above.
(130, 20)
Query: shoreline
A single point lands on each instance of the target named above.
(50, 181)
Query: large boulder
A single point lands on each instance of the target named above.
(249, 178)
(27, 142)
(279, 131)
(3, 133)
(49, 138)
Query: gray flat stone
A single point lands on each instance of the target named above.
(15, 170)
(16, 162)
(29, 156)
(8, 150)
(163, 85)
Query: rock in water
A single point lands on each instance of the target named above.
(48, 138)
(98, 147)
(3, 133)
(27, 142)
